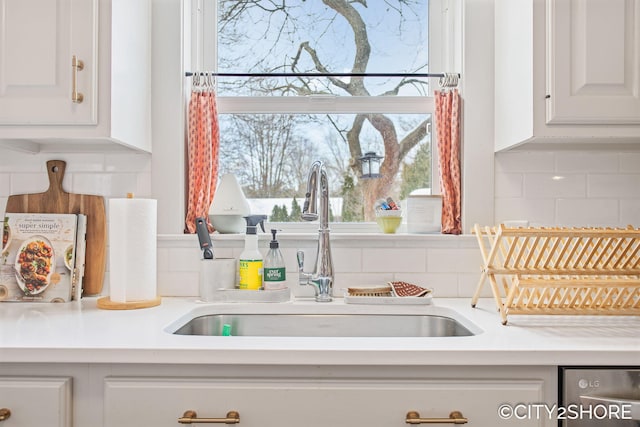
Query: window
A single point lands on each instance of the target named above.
(275, 123)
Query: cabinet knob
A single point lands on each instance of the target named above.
(76, 65)
(455, 417)
(4, 414)
(190, 417)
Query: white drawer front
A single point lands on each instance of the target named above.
(160, 402)
(36, 401)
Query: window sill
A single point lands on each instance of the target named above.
(350, 239)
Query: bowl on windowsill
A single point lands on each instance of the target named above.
(389, 220)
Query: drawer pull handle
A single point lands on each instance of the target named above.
(190, 417)
(76, 65)
(4, 414)
(455, 417)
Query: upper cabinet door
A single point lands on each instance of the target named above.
(593, 62)
(38, 77)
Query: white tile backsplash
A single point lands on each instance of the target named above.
(618, 186)
(509, 185)
(547, 185)
(630, 212)
(536, 211)
(591, 188)
(535, 161)
(378, 260)
(444, 263)
(586, 161)
(34, 182)
(592, 212)
(629, 162)
(598, 189)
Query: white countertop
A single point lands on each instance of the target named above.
(79, 332)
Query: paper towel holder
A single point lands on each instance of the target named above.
(107, 303)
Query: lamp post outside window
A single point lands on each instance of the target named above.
(370, 165)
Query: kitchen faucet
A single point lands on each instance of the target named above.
(322, 276)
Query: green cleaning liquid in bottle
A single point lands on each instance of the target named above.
(250, 262)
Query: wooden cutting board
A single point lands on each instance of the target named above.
(56, 200)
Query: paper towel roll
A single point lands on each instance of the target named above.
(132, 249)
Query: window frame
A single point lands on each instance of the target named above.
(442, 35)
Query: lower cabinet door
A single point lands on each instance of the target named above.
(160, 402)
(35, 401)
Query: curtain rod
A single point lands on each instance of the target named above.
(213, 74)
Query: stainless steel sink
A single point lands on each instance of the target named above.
(325, 325)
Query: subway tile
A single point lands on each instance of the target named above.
(127, 162)
(220, 252)
(347, 260)
(178, 284)
(537, 211)
(613, 186)
(443, 285)
(143, 185)
(525, 161)
(184, 259)
(393, 260)
(629, 162)
(554, 185)
(33, 182)
(5, 184)
(509, 185)
(468, 283)
(105, 184)
(162, 259)
(630, 212)
(80, 162)
(453, 260)
(586, 161)
(588, 212)
(441, 241)
(14, 161)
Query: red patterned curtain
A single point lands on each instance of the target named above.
(202, 151)
(448, 129)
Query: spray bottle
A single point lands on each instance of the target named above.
(250, 261)
(274, 268)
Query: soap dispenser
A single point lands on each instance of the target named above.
(274, 268)
(250, 262)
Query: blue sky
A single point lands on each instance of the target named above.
(398, 43)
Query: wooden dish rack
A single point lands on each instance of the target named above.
(588, 271)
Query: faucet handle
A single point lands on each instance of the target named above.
(300, 257)
(303, 278)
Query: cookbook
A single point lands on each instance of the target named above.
(42, 258)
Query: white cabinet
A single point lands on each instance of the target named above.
(36, 401)
(311, 403)
(75, 74)
(593, 62)
(132, 395)
(567, 72)
(350, 399)
(39, 40)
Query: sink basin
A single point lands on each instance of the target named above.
(324, 325)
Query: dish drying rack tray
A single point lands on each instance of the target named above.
(587, 271)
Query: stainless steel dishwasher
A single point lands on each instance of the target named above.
(599, 396)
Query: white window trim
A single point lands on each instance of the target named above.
(443, 26)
